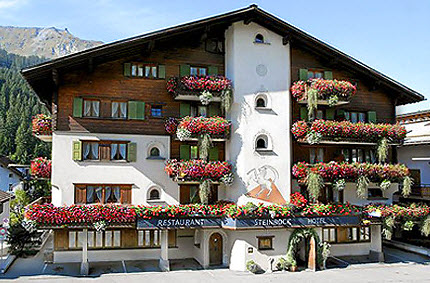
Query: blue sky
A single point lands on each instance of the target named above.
(390, 36)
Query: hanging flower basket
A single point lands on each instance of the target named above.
(348, 131)
(197, 170)
(216, 127)
(41, 168)
(196, 85)
(42, 125)
(326, 89)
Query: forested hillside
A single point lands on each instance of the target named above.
(18, 104)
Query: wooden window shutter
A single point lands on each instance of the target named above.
(80, 195)
(303, 74)
(77, 151)
(161, 71)
(329, 114)
(328, 75)
(140, 110)
(213, 110)
(131, 152)
(184, 152)
(136, 110)
(127, 69)
(77, 107)
(126, 195)
(212, 70)
(132, 109)
(184, 110)
(184, 70)
(303, 113)
(340, 113)
(371, 116)
(104, 152)
(213, 153)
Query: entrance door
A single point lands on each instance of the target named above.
(215, 249)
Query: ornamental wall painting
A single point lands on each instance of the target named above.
(261, 185)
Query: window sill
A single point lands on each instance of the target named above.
(262, 43)
(377, 198)
(272, 249)
(263, 108)
(102, 161)
(157, 117)
(154, 200)
(155, 158)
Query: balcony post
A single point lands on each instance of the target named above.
(164, 255)
(85, 267)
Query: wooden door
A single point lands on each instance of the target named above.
(215, 249)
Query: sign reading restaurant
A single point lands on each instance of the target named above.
(247, 223)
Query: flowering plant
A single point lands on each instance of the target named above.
(171, 125)
(42, 125)
(214, 126)
(298, 200)
(214, 84)
(347, 130)
(344, 90)
(41, 167)
(197, 170)
(333, 171)
(330, 209)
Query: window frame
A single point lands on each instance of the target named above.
(358, 234)
(101, 144)
(123, 188)
(119, 107)
(154, 106)
(199, 68)
(143, 66)
(262, 238)
(83, 108)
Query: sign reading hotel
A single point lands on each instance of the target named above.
(248, 223)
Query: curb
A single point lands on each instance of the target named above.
(408, 247)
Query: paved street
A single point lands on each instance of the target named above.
(399, 266)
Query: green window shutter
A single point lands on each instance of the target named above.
(77, 107)
(184, 152)
(140, 110)
(131, 152)
(213, 154)
(328, 75)
(77, 150)
(184, 110)
(213, 110)
(371, 116)
(303, 113)
(184, 70)
(127, 69)
(340, 113)
(212, 70)
(132, 110)
(329, 114)
(161, 71)
(303, 74)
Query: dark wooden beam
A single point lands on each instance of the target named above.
(247, 21)
(90, 65)
(55, 77)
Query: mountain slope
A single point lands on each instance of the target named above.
(43, 42)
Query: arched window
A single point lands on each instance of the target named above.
(261, 102)
(154, 152)
(261, 143)
(259, 38)
(154, 194)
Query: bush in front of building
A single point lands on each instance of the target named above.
(253, 267)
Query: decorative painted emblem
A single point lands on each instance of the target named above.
(262, 184)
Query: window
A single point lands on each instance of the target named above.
(261, 102)
(375, 193)
(261, 143)
(152, 238)
(90, 150)
(104, 150)
(346, 234)
(154, 194)
(156, 110)
(359, 155)
(101, 239)
(316, 155)
(265, 243)
(198, 71)
(119, 110)
(259, 38)
(194, 153)
(10, 175)
(142, 70)
(355, 117)
(91, 108)
(196, 111)
(315, 74)
(189, 194)
(87, 194)
(154, 152)
(118, 151)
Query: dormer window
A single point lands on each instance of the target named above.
(259, 38)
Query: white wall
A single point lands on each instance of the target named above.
(142, 174)
(405, 155)
(6, 212)
(258, 68)
(350, 194)
(5, 179)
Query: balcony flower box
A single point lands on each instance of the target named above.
(42, 126)
(41, 168)
(326, 89)
(195, 127)
(198, 170)
(348, 131)
(333, 171)
(194, 86)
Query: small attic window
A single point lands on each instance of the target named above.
(261, 143)
(261, 102)
(259, 38)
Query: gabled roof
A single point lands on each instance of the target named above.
(5, 161)
(40, 77)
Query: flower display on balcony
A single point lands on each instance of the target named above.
(298, 200)
(197, 84)
(197, 126)
(182, 211)
(343, 90)
(41, 168)
(171, 125)
(198, 170)
(42, 125)
(346, 130)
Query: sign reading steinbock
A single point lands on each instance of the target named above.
(160, 223)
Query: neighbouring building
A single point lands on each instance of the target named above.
(415, 152)
(297, 107)
(10, 178)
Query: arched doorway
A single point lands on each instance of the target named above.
(215, 249)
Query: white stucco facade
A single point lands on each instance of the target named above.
(258, 69)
